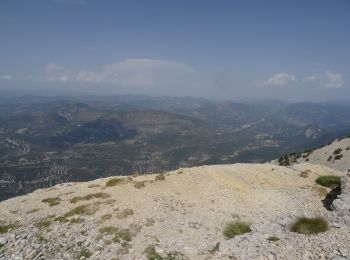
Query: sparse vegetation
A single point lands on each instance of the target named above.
(329, 181)
(124, 234)
(337, 151)
(139, 184)
(338, 157)
(99, 195)
(6, 228)
(45, 222)
(273, 238)
(284, 160)
(160, 177)
(88, 209)
(115, 182)
(108, 230)
(215, 248)
(236, 228)
(149, 222)
(52, 201)
(41, 239)
(125, 213)
(151, 253)
(119, 234)
(94, 186)
(62, 219)
(304, 174)
(105, 217)
(84, 253)
(309, 226)
(77, 220)
(329, 158)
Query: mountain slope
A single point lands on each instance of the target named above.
(335, 155)
(179, 215)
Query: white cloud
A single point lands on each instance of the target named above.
(57, 73)
(7, 77)
(326, 80)
(334, 80)
(314, 77)
(131, 72)
(280, 79)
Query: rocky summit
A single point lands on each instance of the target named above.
(238, 211)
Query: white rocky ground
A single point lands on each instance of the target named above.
(182, 216)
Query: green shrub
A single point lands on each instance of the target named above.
(139, 184)
(115, 182)
(88, 209)
(309, 226)
(77, 220)
(125, 213)
(329, 181)
(151, 253)
(124, 234)
(337, 151)
(52, 201)
(84, 253)
(338, 157)
(236, 228)
(273, 238)
(109, 230)
(6, 228)
(99, 195)
(160, 177)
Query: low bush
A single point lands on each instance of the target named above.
(338, 157)
(98, 195)
(84, 253)
(273, 238)
(329, 181)
(52, 201)
(308, 226)
(160, 177)
(236, 228)
(337, 151)
(6, 228)
(139, 184)
(115, 182)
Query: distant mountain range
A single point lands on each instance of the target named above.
(49, 140)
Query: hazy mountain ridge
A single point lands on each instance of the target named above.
(94, 137)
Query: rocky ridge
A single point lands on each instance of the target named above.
(335, 155)
(178, 215)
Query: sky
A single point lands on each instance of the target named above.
(221, 49)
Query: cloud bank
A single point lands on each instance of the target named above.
(327, 79)
(280, 79)
(131, 72)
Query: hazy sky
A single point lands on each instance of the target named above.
(295, 50)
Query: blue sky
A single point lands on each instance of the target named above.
(294, 50)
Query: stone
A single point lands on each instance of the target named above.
(3, 240)
(159, 250)
(31, 254)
